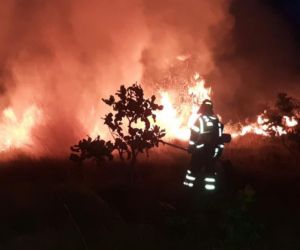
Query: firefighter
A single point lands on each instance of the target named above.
(206, 146)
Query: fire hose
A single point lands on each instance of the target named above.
(174, 146)
(226, 138)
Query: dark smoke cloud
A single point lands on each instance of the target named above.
(264, 59)
(248, 50)
(65, 55)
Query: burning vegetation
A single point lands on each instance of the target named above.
(134, 123)
(174, 112)
(15, 130)
(62, 64)
(282, 119)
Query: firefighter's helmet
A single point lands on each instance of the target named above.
(206, 107)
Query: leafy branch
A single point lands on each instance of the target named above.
(130, 121)
(132, 126)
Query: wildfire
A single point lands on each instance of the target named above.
(179, 114)
(15, 132)
(262, 127)
(290, 121)
(171, 120)
(177, 119)
(199, 91)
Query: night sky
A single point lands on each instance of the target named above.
(266, 54)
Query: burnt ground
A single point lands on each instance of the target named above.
(56, 204)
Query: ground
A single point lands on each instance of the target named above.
(56, 204)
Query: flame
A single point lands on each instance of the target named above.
(290, 121)
(261, 127)
(199, 92)
(179, 117)
(169, 119)
(15, 132)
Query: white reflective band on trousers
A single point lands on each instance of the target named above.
(208, 179)
(200, 146)
(189, 177)
(210, 187)
(188, 184)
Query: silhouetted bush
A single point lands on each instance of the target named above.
(285, 111)
(132, 126)
(130, 122)
(96, 149)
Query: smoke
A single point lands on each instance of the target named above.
(264, 59)
(247, 50)
(191, 29)
(64, 56)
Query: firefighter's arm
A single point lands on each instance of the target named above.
(194, 138)
(192, 142)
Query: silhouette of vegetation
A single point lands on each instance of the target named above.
(285, 109)
(132, 126)
(285, 106)
(130, 122)
(97, 149)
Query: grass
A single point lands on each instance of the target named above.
(55, 204)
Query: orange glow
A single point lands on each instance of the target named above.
(177, 118)
(199, 92)
(290, 121)
(260, 127)
(170, 120)
(15, 132)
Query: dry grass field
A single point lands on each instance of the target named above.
(56, 204)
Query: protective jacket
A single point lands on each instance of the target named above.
(206, 145)
(206, 133)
